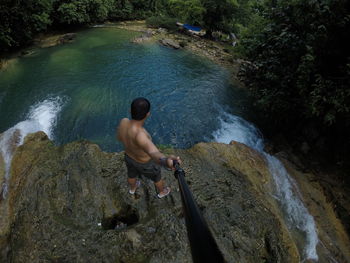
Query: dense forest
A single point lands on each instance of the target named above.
(300, 76)
(20, 20)
(298, 52)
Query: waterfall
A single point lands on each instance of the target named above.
(41, 117)
(287, 193)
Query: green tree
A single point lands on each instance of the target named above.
(122, 10)
(300, 75)
(218, 15)
(100, 9)
(73, 13)
(20, 20)
(188, 11)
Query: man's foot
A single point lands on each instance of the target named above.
(164, 193)
(132, 192)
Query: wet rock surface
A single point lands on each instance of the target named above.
(54, 40)
(169, 43)
(335, 243)
(146, 36)
(67, 38)
(71, 204)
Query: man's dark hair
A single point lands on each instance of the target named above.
(139, 108)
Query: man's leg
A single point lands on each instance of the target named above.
(132, 184)
(132, 175)
(160, 186)
(161, 189)
(153, 171)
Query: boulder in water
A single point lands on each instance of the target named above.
(146, 36)
(140, 39)
(66, 38)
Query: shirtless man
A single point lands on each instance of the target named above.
(141, 155)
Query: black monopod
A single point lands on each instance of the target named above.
(203, 246)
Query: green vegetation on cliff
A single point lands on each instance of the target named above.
(300, 76)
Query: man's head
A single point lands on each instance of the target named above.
(139, 108)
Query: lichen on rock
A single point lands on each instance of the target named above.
(71, 204)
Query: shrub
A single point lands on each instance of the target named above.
(162, 21)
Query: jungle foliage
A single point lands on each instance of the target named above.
(213, 15)
(300, 71)
(20, 20)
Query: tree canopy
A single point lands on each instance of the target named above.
(219, 14)
(301, 68)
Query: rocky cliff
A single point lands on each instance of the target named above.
(70, 204)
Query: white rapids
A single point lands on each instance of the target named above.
(42, 116)
(287, 193)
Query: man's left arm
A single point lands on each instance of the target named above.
(117, 131)
(148, 146)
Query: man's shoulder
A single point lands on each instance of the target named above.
(123, 121)
(141, 136)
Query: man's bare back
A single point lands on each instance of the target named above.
(129, 133)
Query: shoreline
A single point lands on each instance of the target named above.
(42, 40)
(217, 52)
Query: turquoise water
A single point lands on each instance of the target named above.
(88, 85)
(81, 90)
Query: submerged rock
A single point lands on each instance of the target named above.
(140, 39)
(146, 36)
(66, 38)
(71, 204)
(54, 40)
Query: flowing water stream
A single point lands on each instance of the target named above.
(82, 89)
(286, 190)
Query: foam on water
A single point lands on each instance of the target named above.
(41, 117)
(237, 129)
(297, 215)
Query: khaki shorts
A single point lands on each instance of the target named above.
(150, 169)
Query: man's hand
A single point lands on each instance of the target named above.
(170, 161)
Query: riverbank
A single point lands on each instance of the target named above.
(43, 40)
(217, 52)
